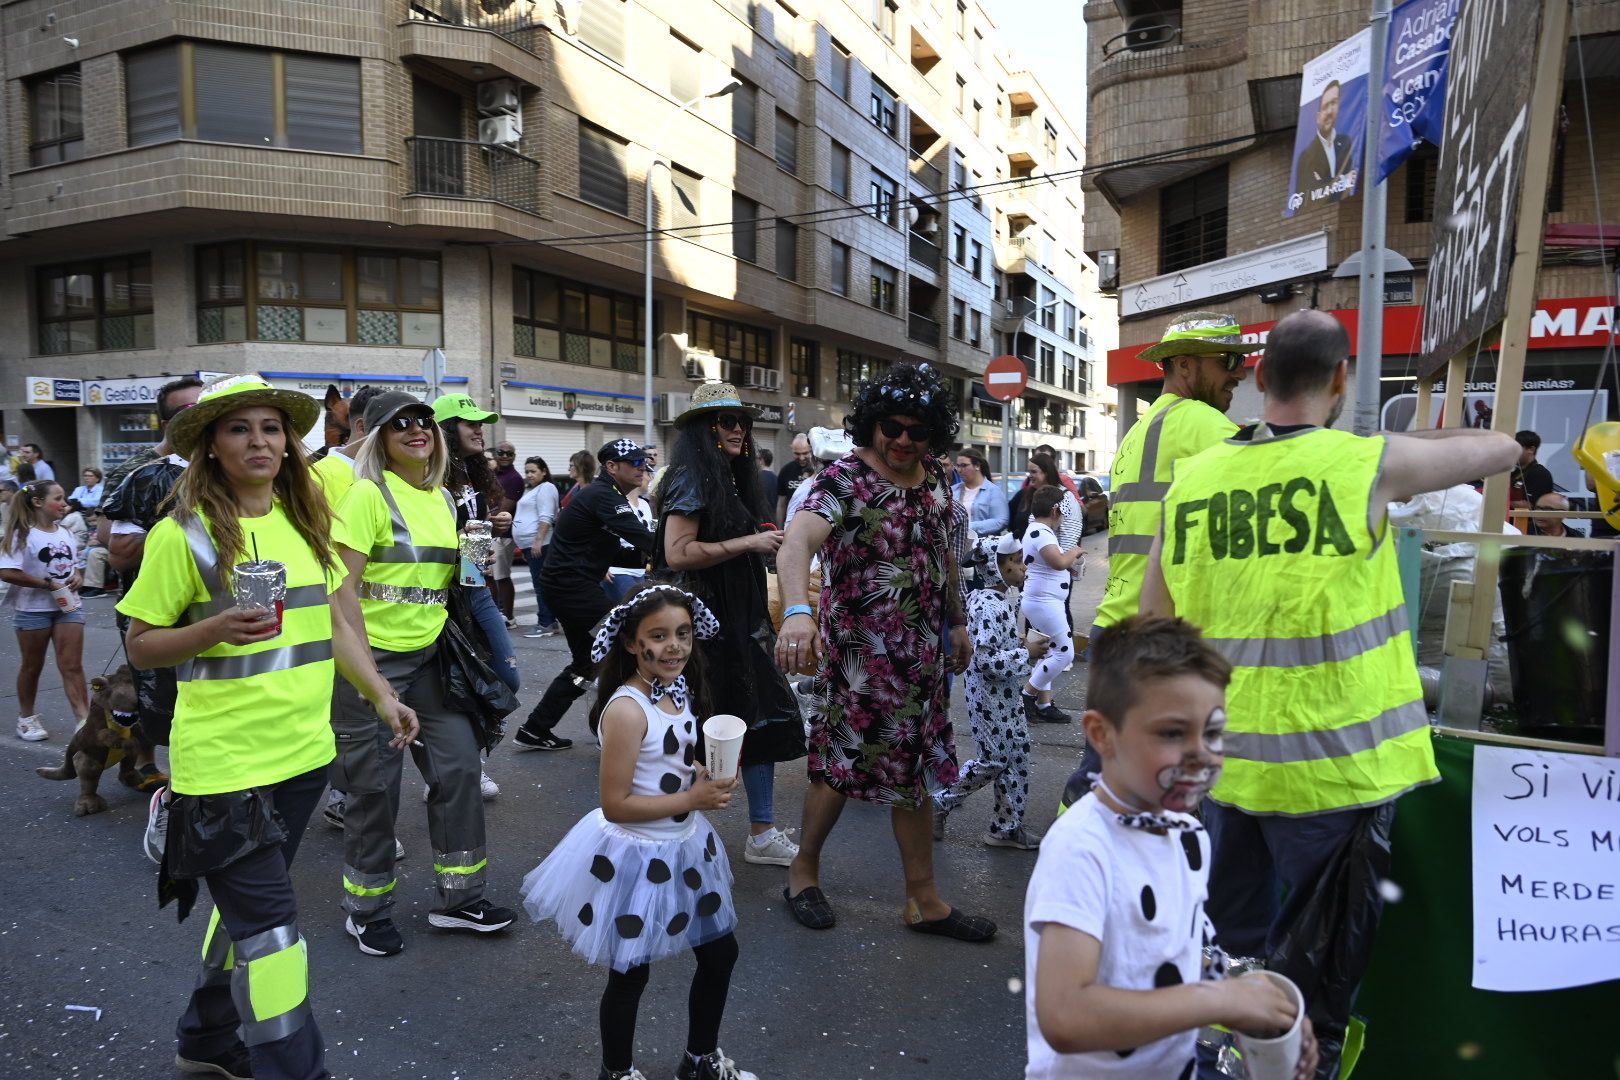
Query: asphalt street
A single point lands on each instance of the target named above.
(866, 999)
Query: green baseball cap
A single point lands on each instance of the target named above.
(461, 407)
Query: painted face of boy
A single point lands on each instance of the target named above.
(1168, 752)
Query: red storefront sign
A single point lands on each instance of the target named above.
(1566, 323)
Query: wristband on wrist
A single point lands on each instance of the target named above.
(796, 609)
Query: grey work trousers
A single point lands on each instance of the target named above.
(368, 770)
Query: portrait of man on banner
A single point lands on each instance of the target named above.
(1332, 126)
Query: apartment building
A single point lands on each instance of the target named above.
(325, 193)
(1215, 87)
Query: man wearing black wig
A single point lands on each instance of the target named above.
(880, 517)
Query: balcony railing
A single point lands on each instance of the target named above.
(924, 251)
(920, 328)
(512, 20)
(928, 175)
(462, 169)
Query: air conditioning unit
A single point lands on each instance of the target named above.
(755, 377)
(705, 367)
(773, 380)
(666, 407)
(503, 130)
(499, 96)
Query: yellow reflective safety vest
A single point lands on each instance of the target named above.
(335, 474)
(1172, 428)
(409, 537)
(1267, 549)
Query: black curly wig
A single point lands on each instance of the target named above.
(914, 390)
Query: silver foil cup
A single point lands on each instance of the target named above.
(261, 584)
(478, 546)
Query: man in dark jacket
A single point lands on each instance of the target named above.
(584, 544)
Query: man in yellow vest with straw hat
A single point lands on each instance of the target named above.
(1276, 543)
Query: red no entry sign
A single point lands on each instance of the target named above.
(1005, 378)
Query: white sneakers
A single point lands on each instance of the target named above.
(487, 787)
(770, 848)
(29, 729)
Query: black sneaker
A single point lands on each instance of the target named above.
(632, 1073)
(524, 739)
(1051, 714)
(233, 1063)
(714, 1066)
(379, 937)
(480, 915)
(1032, 708)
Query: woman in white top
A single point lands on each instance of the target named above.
(1047, 584)
(532, 520)
(38, 556)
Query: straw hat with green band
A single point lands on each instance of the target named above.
(712, 398)
(1200, 333)
(238, 392)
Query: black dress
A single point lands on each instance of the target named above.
(735, 591)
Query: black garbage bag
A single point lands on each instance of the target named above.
(471, 686)
(1327, 949)
(207, 833)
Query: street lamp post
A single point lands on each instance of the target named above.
(731, 84)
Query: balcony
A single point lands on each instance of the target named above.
(1024, 140)
(1027, 198)
(459, 37)
(923, 251)
(1007, 316)
(921, 329)
(461, 169)
(928, 175)
(1030, 248)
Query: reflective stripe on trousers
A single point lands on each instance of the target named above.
(270, 985)
(218, 953)
(456, 870)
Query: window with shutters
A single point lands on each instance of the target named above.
(883, 17)
(840, 69)
(601, 26)
(1192, 221)
(885, 281)
(744, 228)
(856, 368)
(804, 368)
(958, 319)
(783, 28)
(271, 291)
(684, 186)
(976, 328)
(838, 269)
(739, 342)
(744, 110)
(883, 107)
(95, 306)
(603, 178)
(232, 94)
(976, 260)
(57, 122)
(838, 166)
(557, 319)
(685, 68)
(787, 142)
(884, 198)
(787, 250)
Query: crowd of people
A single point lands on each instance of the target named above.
(1250, 647)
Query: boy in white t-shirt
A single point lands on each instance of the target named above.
(1114, 923)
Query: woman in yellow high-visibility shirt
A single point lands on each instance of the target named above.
(396, 534)
(251, 737)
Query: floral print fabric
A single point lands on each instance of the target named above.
(884, 735)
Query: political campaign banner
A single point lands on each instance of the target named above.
(1332, 126)
(1415, 67)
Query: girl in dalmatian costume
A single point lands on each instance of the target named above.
(644, 876)
(1001, 662)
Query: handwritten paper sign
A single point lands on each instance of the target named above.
(1546, 869)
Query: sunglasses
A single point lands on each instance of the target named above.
(919, 433)
(731, 421)
(1231, 361)
(404, 423)
(506, 453)
(633, 462)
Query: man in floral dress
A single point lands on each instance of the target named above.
(880, 518)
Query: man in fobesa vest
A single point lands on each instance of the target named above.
(1202, 356)
(1276, 543)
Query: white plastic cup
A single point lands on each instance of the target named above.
(66, 599)
(722, 745)
(1276, 1058)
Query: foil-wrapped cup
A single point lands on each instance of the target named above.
(477, 549)
(261, 584)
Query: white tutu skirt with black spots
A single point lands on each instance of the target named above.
(623, 899)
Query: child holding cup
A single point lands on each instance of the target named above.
(1115, 930)
(645, 876)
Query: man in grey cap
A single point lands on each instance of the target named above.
(584, 544)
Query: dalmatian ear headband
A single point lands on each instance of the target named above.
(990, 549)
(704, 624)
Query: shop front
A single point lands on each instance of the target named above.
(555, 422)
